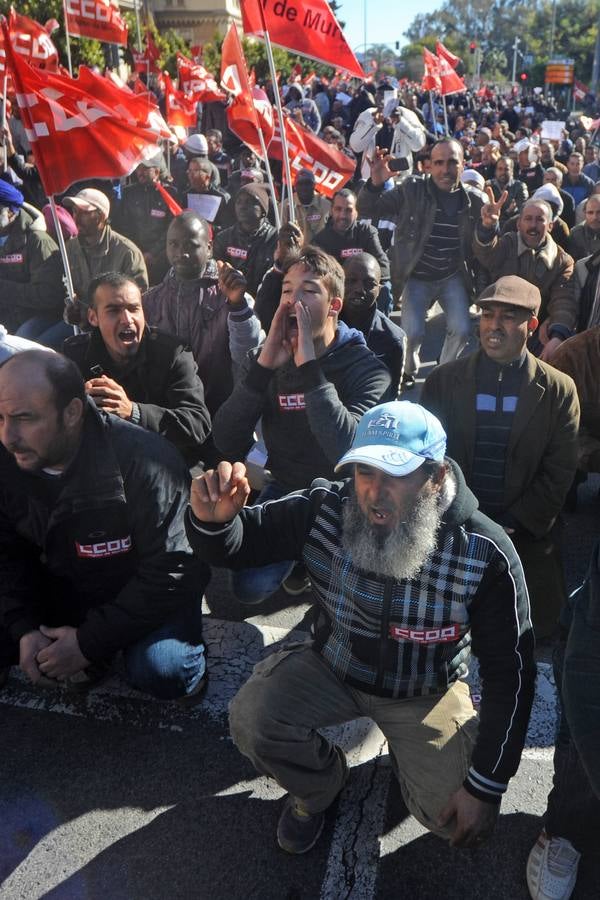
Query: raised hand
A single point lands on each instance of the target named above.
(277, 348)
(490, 211)
(380, 171)
(232, 283)
(219, 494)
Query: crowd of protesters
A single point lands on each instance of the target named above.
(194, 334)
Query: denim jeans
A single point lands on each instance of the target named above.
(45, 330)
(573, 810)
(168, 663)
(452, 296)
(254, 585)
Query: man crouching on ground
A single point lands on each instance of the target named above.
(408, 574)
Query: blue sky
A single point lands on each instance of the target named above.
(383, 25)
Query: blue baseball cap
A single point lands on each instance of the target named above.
(396, 437)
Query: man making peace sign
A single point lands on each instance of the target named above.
(532, 254)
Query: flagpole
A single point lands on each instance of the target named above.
(137, 25)
(4, 119)
(278, 107)
(63, 252)
(69, 63)
(263, 147)
(432, 112)
(445, 115)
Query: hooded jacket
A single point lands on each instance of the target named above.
(309, 412)
(359, 238)
(405, 638)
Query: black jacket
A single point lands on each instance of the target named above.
(387, 341)
(162, 379)
(398, 638)
(360, 238)
(106, 545)
(30, 274)
(309, 413)
(251, 254)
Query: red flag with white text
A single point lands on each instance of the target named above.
(307, 27)
(448, 55)
(196, 81)
(332, 168)
(431, 77)
(31, 41)
(75, 135)
(451, 83)
(180, 108)
(250, 108)
(96, 19)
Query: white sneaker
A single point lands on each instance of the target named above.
(552, 868)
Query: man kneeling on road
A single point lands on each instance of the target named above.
(407, 575)
(93, 554)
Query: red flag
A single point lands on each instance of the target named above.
(170, 202)
(195, 80)
(30, 40)
(180, 107)
(250, 108)
(447, 54)
(451, 83)
(332, 168)
(73, 134)
(431, 78)
(96, 19)
(138, 109)
(146, 61)
(307, 27)
(580, 90)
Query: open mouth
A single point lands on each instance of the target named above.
(379, 515)
(128, 336)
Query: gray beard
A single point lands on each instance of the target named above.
(400, 552)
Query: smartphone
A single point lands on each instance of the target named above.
(398, 164)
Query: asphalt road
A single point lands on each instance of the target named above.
(116, 796)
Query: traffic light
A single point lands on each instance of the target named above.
(472, 47)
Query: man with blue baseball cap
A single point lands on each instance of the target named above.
(407, 576)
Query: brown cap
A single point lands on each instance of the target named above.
(513, 291)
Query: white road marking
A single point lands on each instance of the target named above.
(61, 853)
(357, 842)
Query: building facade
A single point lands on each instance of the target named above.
(196, 21)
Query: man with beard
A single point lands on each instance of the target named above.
(406, 573)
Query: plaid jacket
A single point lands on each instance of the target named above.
(412, 637)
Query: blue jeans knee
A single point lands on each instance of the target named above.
(170, 661)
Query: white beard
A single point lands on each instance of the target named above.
(397, 553)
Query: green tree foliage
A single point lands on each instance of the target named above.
(494, 26)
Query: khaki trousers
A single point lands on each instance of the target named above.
(275, 717)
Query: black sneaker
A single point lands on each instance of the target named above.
(298, 830)
(408, 382)
(297, 582)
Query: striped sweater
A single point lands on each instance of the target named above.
(412, 637)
